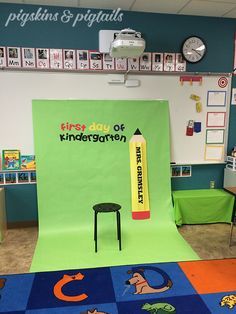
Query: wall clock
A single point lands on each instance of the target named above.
(193, 49)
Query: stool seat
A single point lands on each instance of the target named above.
(107, 208)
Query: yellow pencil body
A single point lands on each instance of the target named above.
(139, 181)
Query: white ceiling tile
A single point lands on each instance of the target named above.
(222, 1)
(106, 4)
(160, 6)
(12, 1)
(207, 8)
(231, 14)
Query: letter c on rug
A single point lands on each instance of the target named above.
(60, 284)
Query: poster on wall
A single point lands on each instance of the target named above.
(3, 58)
(180, 63)
(216, 98)
(82, 60)
(28, 57)
(233, 96)
(108, 62)
(22, 177)
(32, 177)
(133, 64)
(10, 178)
(169, 62)
(42, 58)
(95, 60)
(216, 119)
(146, 62)
(56, 59)
(214, 152)
(157, 61)
(10, 159)
(69, 59)
(13, 57)
(1, 178)
(215, 136)
(121, 64)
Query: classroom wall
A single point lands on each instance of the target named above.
(162, 33)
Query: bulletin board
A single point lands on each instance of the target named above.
(202, 106)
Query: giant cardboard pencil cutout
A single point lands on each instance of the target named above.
(139, 182)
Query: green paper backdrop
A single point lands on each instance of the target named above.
(72, 176)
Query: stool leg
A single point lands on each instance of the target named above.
(95, 230)
(117, 225)
(118, 228)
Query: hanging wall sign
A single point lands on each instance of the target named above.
(82, 60)
(13, 57)
(121, 64)
(133, 64)
(56, 59)
(180, 63)
(28, 57)
(3, 58)
(69, 59)
(146, 62)
(95, 60)
(108, 62)
(157, 61)
(42, 57)
(169, 62)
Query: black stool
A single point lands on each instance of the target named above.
(107, 208)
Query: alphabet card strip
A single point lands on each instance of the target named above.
(82, 60)
(180, 63)
(3, 58)
(121, 64)
(169, 62)
(133, 64)
(146, 62)
(28, 58)
(42, 58)
(95, 60)
(13, 57)
(69, 59)
(157, 61)
(108, 62)
(56, 59)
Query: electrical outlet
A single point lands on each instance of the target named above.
(212, 184)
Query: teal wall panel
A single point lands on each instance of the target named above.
(21, 203)
(162, 32)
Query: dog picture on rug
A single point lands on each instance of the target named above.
(229, 301)
(141, 284)
(94, 311)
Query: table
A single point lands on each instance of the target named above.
(202, 206)
(232, 190)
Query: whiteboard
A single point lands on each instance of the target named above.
(18, 88)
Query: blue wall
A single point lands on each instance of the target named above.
(162, 32)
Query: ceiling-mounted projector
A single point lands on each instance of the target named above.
(127, 44)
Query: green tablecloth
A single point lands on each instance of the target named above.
(202, 206)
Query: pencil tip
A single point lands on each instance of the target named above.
(137, 132)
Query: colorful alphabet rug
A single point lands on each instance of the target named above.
(199, 287)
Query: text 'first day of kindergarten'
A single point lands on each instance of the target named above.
(93, 137)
